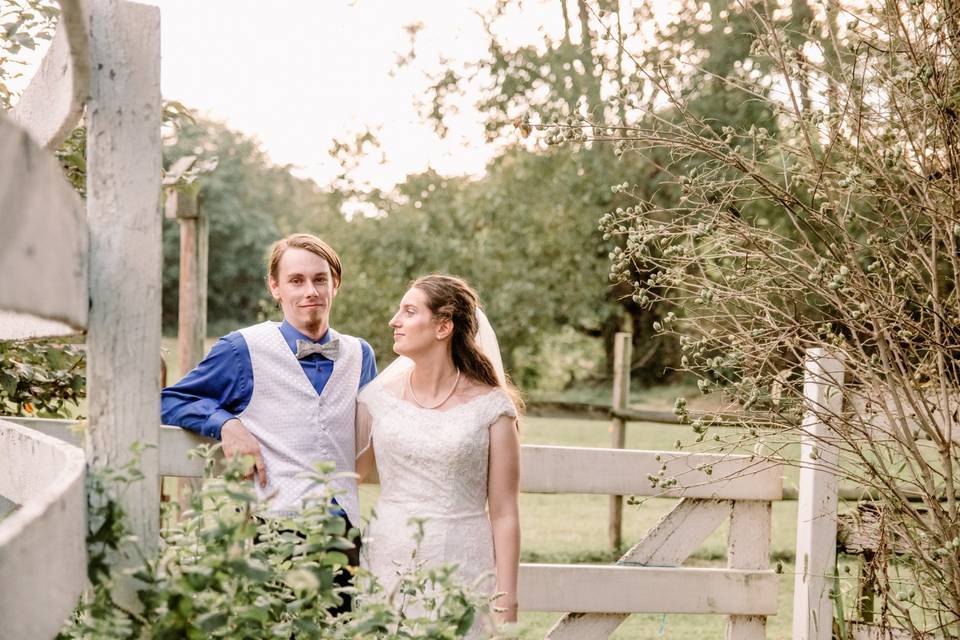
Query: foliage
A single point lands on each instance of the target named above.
(545, 201)
(72, 155)
(41, 378)
(222, 573)
(249, 203)
(23, 24)
(836, 227)
(485, 230)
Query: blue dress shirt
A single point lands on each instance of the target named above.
(221, 386)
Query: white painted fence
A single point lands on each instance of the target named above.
(70, 266)
(43, 258)
(879, 415)
(648, 579)
(43, 559)
(817, 498)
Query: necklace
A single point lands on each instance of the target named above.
(445, 398)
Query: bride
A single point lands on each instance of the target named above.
(440, 426)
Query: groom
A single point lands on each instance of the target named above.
(284, 394)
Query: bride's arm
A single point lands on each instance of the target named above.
(366, 459)
(503, 493)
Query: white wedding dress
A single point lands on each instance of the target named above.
(432, 464)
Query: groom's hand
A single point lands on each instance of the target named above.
(237, 441)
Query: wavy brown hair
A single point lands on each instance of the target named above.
(451, 298)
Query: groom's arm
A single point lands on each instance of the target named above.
(368, 365)
(215, 391)
(209, 399)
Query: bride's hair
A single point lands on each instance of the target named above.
(449, 297)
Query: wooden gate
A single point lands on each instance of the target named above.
(649, 577)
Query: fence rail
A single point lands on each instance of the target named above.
(546, 469)
(176, 442)
(42, 543)
(550, 469)
(627, 589)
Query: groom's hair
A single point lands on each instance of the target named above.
(311, 243)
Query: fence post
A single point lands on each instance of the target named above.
(622, 344)
(183, 204)
(192, 312)
(748, 547)
(123, 216)
(817, 500)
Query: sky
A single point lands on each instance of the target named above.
(297, 74)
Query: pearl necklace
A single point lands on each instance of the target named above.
(445, 398)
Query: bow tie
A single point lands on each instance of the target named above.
(329, 350)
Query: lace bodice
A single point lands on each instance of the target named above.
(434, 458)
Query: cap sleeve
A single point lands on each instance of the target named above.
(497, 404)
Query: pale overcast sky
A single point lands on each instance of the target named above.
(298, 73)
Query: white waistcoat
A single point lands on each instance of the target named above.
(297, 428)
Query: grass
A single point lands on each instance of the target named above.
(659, 397)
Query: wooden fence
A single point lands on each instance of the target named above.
(738, 487)
(648, 579)
(43, 556)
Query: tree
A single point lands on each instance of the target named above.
(838, 227)
(577, 85)
(250, 202)
(513, 234)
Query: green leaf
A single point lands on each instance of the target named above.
(212, 621)
(9, 383)
(302, 580)
(336, 558)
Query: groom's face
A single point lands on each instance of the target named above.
(305, 289)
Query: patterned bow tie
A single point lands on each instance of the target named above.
(330, 350)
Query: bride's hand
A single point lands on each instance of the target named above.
(505, 611)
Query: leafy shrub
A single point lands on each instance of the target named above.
(221, 573)
(41, 378)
